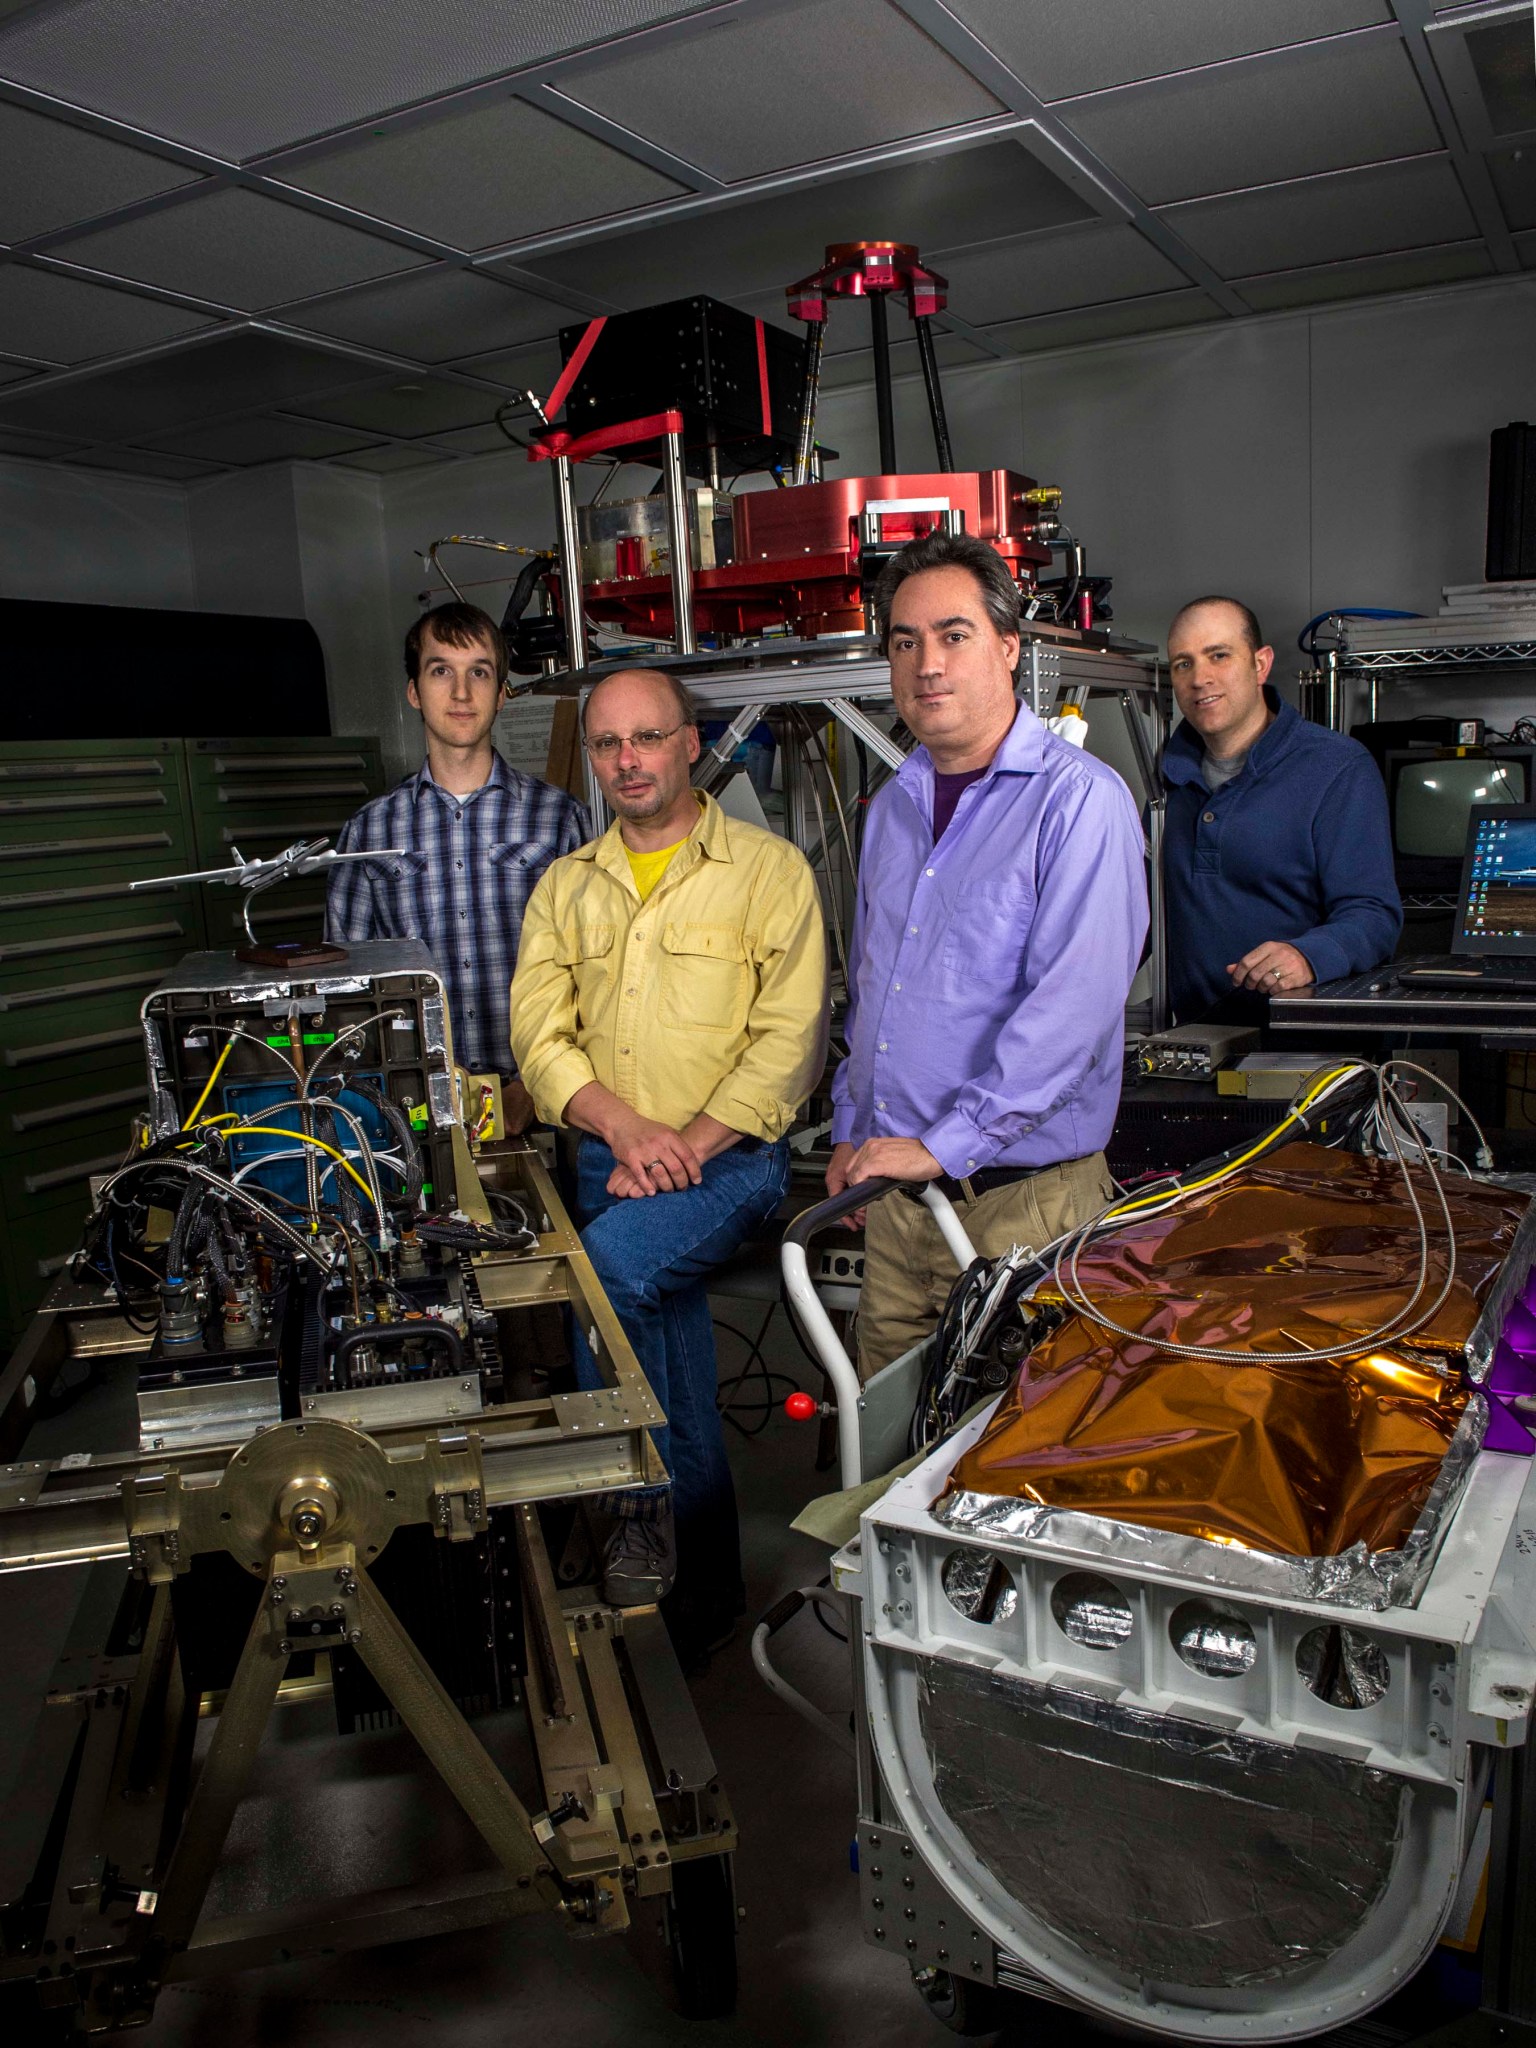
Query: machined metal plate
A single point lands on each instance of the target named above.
(222, 1411)
(414, 1400)
(904, 1908)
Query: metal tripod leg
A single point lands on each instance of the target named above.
(446, 1739)
(220, 1785)
(426, 1709)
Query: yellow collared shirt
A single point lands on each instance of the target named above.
(709, 996)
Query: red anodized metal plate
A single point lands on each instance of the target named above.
(797, 553)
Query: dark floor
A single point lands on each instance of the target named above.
(331, 1816)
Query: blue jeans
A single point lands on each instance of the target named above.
(653, 1255)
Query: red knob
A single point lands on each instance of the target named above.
(800, 1407)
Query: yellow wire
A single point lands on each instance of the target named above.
(218, 1068)
(1293, 1115)
(303, 1138)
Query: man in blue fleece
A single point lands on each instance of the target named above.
(1277, 854)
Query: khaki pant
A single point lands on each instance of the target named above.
(908, 1269)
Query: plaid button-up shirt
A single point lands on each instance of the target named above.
(460, 887)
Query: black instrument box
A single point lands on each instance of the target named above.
(701, 358)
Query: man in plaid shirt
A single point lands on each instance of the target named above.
(478, 835)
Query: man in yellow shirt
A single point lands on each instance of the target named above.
(670, 1002)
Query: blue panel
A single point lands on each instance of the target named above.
(286, 1176)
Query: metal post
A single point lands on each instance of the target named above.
(570, 566)
(930, 363)
(1332, 695)
(881, 337)
(675, 483)
(1157, 961)
(1032, 674)
(815, 341)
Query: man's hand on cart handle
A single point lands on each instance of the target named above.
(878, 1159)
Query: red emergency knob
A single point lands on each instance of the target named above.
(800, 1407)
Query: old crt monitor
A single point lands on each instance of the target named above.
(1431, 792)
(1496, 915)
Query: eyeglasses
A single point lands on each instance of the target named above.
(607, 744)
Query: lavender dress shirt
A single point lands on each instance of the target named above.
(990, 971)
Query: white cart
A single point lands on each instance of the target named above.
(1122, 1788)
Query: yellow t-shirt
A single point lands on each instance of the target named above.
(648, 868)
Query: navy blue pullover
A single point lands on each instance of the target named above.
(1297, 847)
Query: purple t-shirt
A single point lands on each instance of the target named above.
(946, 794)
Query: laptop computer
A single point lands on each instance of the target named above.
(1493, 944)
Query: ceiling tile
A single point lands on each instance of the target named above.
(1514, 177)
(484, 177)
(239, 248)
(52, 174)
(959, 196)
(438, 314)
(1403, 272)
(1260, 120)
(13, 373)
(1500, 52)
(227, 374)
(241, 76)
(483, 440)
(1044, 273)
(408, 406)
(1095, 43)
(15, 441)
(263, 440)
(1107, 323)
(535, 368)
(142, 462)
(68, 319)
(382, 460)
(1324, 220)
(752, 94)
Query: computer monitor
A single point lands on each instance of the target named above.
(1431, 793)
(1496, 913)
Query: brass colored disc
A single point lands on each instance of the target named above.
(262, 1481)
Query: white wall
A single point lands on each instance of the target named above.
(245, 544)
(74, 536)
(345, 595)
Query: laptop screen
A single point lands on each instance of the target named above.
(1496, 913)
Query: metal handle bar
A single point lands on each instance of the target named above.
(784, 1611)
(817, 1324)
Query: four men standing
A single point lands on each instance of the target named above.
(669, 999)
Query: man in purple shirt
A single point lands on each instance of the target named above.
(1002, 908)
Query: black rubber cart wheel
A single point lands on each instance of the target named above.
(700, 1919)
(960, 2005)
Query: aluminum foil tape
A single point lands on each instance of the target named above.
(1177, 1854)
(1355, 1577)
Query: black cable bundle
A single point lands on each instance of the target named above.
(954, 1380)
(458, 1234)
